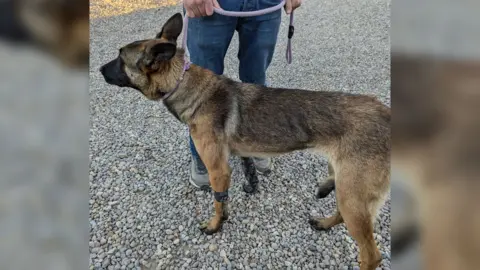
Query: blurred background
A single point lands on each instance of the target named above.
(44, 132)
(435, 86)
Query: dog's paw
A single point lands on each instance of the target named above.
(325, 188)
(203, 225)
(208, 230)
(211, 227)
(249, 188)
(317, 224)
(322, 193)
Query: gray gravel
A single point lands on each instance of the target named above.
(143, 210)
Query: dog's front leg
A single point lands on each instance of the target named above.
(215, 156)
(219, 182)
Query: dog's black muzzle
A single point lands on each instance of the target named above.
(113, 73)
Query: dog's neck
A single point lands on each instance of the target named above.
(189, 94)
(165, 81)
(186, 66)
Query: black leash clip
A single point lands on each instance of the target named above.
(291, 30)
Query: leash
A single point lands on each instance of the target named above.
(186, 66)
(288, 53)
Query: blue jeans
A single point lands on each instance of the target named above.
(209, 38)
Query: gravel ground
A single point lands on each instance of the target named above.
(143, 210)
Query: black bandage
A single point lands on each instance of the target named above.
(221, 196)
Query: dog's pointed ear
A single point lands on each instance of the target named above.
(162, 51)
(172, 28)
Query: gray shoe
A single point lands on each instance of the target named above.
(263, 165)
(198, 174)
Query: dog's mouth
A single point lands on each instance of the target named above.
(114, 74)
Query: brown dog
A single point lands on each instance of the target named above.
(227, 117)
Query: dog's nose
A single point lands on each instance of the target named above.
(102, 69)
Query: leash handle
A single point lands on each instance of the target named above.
(249, 13)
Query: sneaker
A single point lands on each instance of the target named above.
(263, 165)
(199, 174)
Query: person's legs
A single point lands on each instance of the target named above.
(208, 41)
(258, 37)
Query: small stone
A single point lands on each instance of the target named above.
(128, 252)
(274, 245)
(176, 241)
(168, 231)
(145, 263)
(385, 256)
(288, 264)
(212, 247)
(103, 241)
(180, 228)
(106, 263)
(223, 254)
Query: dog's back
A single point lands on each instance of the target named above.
(278, 120)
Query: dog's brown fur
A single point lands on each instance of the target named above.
(227, 117)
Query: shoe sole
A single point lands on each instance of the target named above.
(266, 172)
(197, 186)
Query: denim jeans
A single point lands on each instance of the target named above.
(209, 38)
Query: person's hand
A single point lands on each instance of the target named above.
(200, 8)
(291, 5)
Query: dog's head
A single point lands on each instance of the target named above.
(148, 66)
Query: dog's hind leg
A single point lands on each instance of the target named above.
(326, 223)
(250, 174)
(360, 227)
(358, 198)
(327, 185)
(360, 192)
